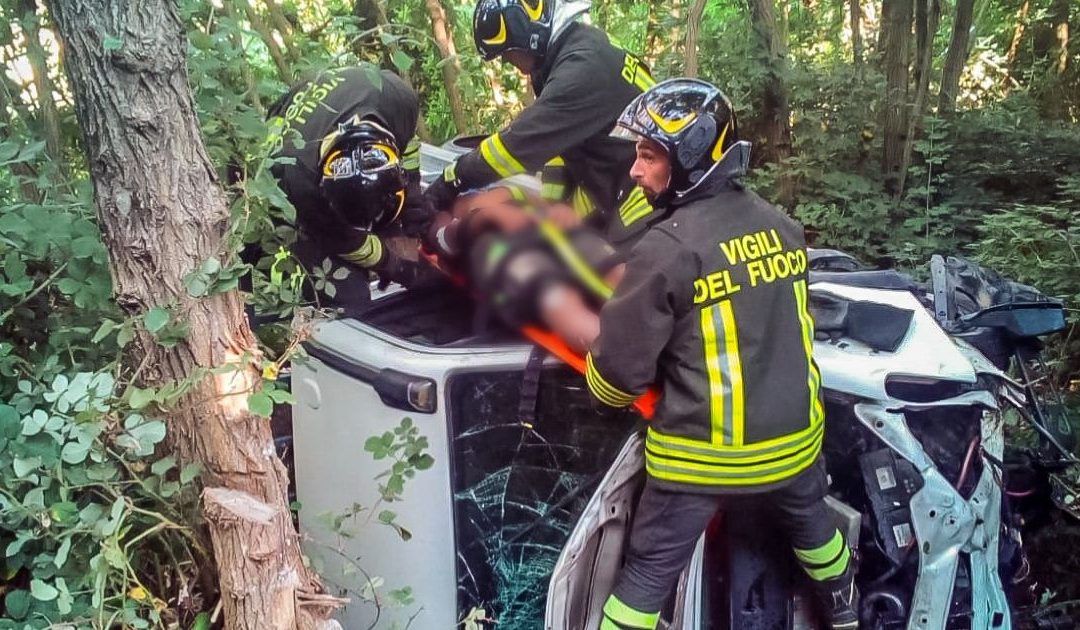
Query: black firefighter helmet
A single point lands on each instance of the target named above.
(695, 124)
(362, 176)
(502, 25)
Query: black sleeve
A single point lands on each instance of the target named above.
(636, 324)
(572, 107)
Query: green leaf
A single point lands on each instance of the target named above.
(155, 319)
(43, 591)
(189, 472)
(149, 433)
(35, 422)
(24, 467)
(423, 462)
(126, 334)
(401, 61)
(85, 246)
(140, 397)
(103, 331)
(163, 465)
(62, 553)
(202, 622)
(261, 404)
(74, 452)
(17, 604)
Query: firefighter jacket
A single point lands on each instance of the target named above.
(582, 86)
(314, 110)
(713, 308)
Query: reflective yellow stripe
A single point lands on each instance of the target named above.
(827, 561)
(556, 161)
(716, 378)
(410, 159)
(817, 409)
(569, 255)
(701, 474)
(643, 79)
(553, 192)
(604, 391)
(498, 158)
(617, 611)
(728, 455)
(581, 202)
(367, 255)
(634, 207)
(734, 372)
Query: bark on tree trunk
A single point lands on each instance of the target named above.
(956, 57)
(49, 117)
(927, 18)
(1060, 12)
(1014, 45)
(451, 67)
(775, 110)
(161, 214)
(855, 11)
(693, 26)
(896, 26)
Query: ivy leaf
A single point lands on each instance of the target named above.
(43, 591)
(140, 397)
(261, 404)
(103, 331)
(155, 319)
(74, 452)
(163, 465)
(35, 422)
(189, 472)
(62, 553)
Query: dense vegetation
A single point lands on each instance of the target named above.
(912, 128)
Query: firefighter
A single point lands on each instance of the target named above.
(355, 176)
(713, 307)
(582, 83)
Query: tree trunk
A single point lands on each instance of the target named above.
(928, 14)
(162, 214)
(896, 26)
(693, 26)
(1014, 45)
(1060, 14)
(451, 67)
(775, 110)
(48, 115)
(855, 11)
(956, 57)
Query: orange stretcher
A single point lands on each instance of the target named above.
(645, 404)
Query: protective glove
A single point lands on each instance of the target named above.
(442, 192)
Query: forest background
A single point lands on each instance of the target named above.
(893, 129)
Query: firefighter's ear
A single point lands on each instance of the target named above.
(696, 141)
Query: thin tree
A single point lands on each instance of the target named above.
(46, 93)
(162, 214)
(451, 66)
(775, 109)
(693, 27)
(896, 36)
(927, 15)
(956, 57)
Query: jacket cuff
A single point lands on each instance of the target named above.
(367, 255)
(604, 391)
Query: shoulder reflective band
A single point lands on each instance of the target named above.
(635, 207)
(498, 158)
(553, 192)
(813, 378)
(581, 203)
(367, 255)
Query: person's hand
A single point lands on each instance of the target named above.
(562, 216)
(442, 193)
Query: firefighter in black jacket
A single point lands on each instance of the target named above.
(582, 83)
(355, 178)
(713, 307)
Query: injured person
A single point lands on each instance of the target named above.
(531, 262)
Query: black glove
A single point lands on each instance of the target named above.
(416, 217)
(442, 192)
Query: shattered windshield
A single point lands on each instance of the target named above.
(520, 487)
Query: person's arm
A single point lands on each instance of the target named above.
(569, 110)
(636, 324)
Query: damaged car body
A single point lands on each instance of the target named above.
(526, 511)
